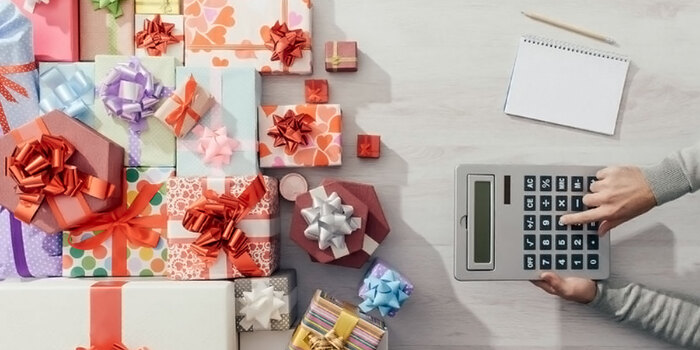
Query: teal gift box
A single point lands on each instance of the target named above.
(69, 88)
(224, 142)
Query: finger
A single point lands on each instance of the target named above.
(602, 173)
(584, 217)
(607, 225)
(593, 200)
(597, 185)
(544, 286)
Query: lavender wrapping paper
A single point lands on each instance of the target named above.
(378, 268)
(42, 250)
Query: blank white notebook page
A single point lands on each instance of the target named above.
(567, 84)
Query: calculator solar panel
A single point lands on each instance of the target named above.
(507, 223)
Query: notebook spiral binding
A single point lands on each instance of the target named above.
(565, 46)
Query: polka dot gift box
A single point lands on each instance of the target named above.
(104, 248)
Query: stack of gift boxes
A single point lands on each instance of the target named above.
(132, 139)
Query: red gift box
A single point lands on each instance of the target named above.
(316, 90)
(341, 56)
(368, 146)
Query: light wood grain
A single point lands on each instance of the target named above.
(432, 81)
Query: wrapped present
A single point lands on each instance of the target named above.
(280, 340)
(26, 251)
(74, 313)
(106, 28)
(130, 90)
(241, 239)
(341, 56)
(331, 324)
(128, 241)
(266, 303)
(69, 88)
(185, 107)
(55, 27)
(225, 141)
(329, 222)
(19, 103)
(165, 7)
(384, 288)
(300, 136)
(160, 35)
(316, 90)
(78, 172)
(368, 146)
(272, 36)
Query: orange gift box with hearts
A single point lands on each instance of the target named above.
(308, 135)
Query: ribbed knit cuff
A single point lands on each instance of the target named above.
(607, 299)
(667, 180)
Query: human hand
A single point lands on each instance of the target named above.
(576, 289)
(619, 194)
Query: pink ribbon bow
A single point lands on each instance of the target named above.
(215, 145)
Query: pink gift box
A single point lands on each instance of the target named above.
(55, 27)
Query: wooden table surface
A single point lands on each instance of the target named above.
(432, 81)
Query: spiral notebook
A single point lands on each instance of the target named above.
(567, 84)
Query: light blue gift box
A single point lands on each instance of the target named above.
(237, 94)
(68, 87)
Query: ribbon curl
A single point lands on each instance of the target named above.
(39, 169)
(156, 36)
(6, 84)
(65, 94)
(262, 305)
(286, 45)
(30, 4)
(215, 217)
(214, 145)
(184, 109)
(113, 6)
(291, 130)
(386, 293)
(329, 221)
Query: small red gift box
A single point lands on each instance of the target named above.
(368, 146)
(316, 90)
(341, 56)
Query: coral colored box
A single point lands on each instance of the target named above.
(176, 50)
(368, 146)
(157, 143)
(316, 90)
(102, 33)
(233, 33)
(137, 260)
(68, 87)
(261, 226)
(259, 308)
(26, 251)
(323, 143)
(236, 92)
(18, 60)
(55, 27)
(94, 155)
(84, 313)
(164, 7)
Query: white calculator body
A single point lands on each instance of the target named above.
(507, 227)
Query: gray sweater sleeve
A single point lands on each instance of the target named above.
(676, 175)
(670, 318)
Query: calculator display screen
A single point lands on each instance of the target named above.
(482, 222)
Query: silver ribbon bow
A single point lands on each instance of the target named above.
(329, 220)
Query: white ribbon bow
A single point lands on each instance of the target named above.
(329, 220)
(30, 4)
(262, 305)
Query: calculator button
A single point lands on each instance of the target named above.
(577, 183)
(562, 203)
(530, 182)
(545, 262)
(577, 261)
(590, 180)
(561, 261)
(529, 242)
(545, 222)
(592, 242)
(545, 242)
(577, 203)
(593, 261)
(577, 227)
(577, 242)
(558, 226)
(530, 203)
(593, 226)
(529, 222)
(529, 261)
(561, 242)
(545, 203)
(562, 182)
(545, 183)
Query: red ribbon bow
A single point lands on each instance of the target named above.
(176, 118)
(6, 85)
(286, 45)
(215, 218)
(156, 36)
(291, 130)
(39, 169)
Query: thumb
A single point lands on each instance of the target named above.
(554, 281)
(607, 225)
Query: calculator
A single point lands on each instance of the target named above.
(507, 223)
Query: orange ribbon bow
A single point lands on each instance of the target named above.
(215, 217)
(176, 118)
(291, 130)
(6, 85)
(286, 45)
(156, 36)
(365, 149)
(39, 169)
